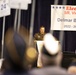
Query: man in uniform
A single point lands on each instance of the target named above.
(51, 58)
(40, 35)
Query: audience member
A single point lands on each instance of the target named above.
(51, 58)
(72, 67)
(40, 34)
(17, 57)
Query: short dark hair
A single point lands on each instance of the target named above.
(42, 27)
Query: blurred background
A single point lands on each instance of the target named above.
(42, 18)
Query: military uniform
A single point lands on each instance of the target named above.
(38, 36)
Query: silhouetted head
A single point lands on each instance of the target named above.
(72, 67)
(17, 52)
(51, 51)
(15, 47)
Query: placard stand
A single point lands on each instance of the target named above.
(4, 4)
(3, 31)
(18, 5)
(19, 17)
(32, 22)
(15, 21)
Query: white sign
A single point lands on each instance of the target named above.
(4, 8)
(29, 1)
(19, 4)
(63, 17)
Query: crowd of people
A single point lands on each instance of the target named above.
(20, 58)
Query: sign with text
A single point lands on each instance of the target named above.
(4, 8)
(63, 17)
(19, 4)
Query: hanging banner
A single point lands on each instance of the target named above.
(4, 8)
(63, 17)
(19, 4)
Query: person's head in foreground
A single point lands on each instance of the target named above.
(51, 51)
(72, 67)
(17, 54)
(51, 57)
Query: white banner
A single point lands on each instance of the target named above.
(19, 4)
(63, 17)
(4, 8)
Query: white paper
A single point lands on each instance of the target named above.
(4, 8)
(19, 4)
(29, 1)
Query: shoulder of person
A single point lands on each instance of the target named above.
(49, 71)
(36, 71)
(36, 34)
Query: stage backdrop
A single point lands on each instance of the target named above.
(42, 18)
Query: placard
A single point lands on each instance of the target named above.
(4, 8)
(63, 17)
(29, 1)
(19, 4)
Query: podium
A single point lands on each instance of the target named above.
(39, 48)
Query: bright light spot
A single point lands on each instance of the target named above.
(1, 61)
(51, 44)
(31, 53)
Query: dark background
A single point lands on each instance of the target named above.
(42, 18)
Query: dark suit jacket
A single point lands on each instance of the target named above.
(10, 72)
